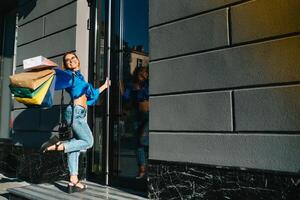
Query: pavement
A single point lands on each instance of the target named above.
(58, 191)
(9, 182)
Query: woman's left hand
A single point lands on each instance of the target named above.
(107, 82)
(105, 85)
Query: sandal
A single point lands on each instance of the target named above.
(75, 188)
(52, 141)
(142, 172)
(56, 146)
(141, 176)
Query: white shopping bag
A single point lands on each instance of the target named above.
(38, 62)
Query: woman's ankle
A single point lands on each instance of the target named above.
(142, 169)
(56, 147)
(74, 179)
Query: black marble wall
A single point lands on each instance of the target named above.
(35, 167)
(174, 181)
(8, 162)
(39, 167)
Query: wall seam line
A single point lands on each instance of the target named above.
(239, 88)
(51, 11)
(226, 47)
(197, 14)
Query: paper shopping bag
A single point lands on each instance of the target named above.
(38, 62)
(49, 98)
(39, 97)
(31, 80)
(25, 92)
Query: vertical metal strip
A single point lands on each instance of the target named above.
(121, 19)
(15, 45)
(120, 77)
(108, 92)
(94, 19)
(14, 68)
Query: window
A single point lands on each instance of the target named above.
(139, 62)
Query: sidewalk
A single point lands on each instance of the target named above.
(8, 182)
(58, 191)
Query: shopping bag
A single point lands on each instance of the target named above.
(24, 92)
(39, 97)
(49, 97)
(31, 80)
(38, 62)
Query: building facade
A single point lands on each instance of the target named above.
(224, 117)
(224, 93)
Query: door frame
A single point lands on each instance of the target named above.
(109, 176)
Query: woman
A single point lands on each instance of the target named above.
(139, 92)
(83, 95)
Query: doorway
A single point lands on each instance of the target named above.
(120, 119)
(7, 55)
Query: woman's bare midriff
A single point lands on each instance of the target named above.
(143, 106)
(81, 101)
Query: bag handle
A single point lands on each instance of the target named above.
(62, 103)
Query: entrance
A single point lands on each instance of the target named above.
(123, 119)
(7, 48)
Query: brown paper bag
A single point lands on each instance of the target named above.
(32, 79)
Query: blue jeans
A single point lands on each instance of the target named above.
(83, 137)
(142, 138)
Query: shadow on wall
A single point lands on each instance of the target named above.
(33, 126)
(25, 7)
(8, 22)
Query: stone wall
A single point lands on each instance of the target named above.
(225, 87)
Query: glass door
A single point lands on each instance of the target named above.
(128, 59)
(97, 74)
(129, 99)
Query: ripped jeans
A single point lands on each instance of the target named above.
(83, 137)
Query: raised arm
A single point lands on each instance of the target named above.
(105, 85)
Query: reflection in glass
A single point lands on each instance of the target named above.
(131, 128)
(136, 106)
(128, 115)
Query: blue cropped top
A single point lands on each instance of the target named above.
(138, 95)
(80, 86)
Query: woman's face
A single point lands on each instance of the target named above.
(143, 75)
(140, 76)
(72, 62)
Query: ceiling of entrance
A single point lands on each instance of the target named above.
(6, 5)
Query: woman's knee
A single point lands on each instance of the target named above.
(90, 143)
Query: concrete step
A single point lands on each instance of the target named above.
(58, 191)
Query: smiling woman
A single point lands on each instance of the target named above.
(71, 61)
(82, 95)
